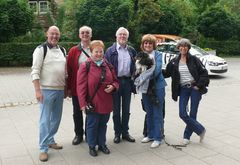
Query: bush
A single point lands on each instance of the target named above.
(223, 47)
(20, 54)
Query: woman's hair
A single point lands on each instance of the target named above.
(184, 42)
(149, 38)
(96, 43)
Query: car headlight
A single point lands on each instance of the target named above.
(212, 63)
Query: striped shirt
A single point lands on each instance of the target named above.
(185, 75)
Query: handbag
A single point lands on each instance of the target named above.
(90, 107)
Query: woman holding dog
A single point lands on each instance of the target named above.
(189, 81)
(96, 81)
(153, 98)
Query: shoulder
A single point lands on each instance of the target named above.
(111, 48)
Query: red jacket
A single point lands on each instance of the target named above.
(87, 82)
(72, 69)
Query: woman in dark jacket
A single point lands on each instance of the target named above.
(189, 81)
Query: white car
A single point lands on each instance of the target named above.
(214, 64)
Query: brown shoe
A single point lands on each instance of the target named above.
(55, 146)
(43, 156)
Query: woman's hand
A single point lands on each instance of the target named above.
(195, 87)
(109, 88)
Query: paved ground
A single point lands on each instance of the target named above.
(219, 112)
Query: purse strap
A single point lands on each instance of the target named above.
(101, 79)
(81, 48)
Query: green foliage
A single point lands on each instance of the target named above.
(202, 5)
(15, 19)
(223, 47)
(67, 20)
(216, 23)
(104, 17)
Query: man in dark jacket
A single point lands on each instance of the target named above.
(121, 56)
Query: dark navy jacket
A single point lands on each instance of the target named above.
(112, 56)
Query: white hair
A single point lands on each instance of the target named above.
(121, 29)
(85, 28)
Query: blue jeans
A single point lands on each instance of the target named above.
(154, 115)
(97, 129)
(50, 117)
(77, 117)
(192, 125)
(121, 100)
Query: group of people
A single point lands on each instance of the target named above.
(100, 83)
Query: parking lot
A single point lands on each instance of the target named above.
(219, 112)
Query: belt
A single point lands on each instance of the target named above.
(124, 77)
(187, 85)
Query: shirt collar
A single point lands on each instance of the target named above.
(120, 47)
(50, 46)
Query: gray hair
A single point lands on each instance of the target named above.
(184, 42)
(120, 29)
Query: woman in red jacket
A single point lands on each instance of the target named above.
(96, 81)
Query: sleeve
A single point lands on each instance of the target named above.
(107, 55)
(158, 67)
(69, 68)
(82, 85)
(203, 74)
(167, 71)
(37, 63)
(115, 80)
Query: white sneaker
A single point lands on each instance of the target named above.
(185, 141)
(202, 135)
(155, 144)
(146, 140)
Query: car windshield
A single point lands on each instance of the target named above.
(201, 51)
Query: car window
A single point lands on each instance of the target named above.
(173, 49)
(162, 48)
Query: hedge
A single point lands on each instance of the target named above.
(20, 54)
(223, 48)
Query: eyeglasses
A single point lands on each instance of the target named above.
(86, 32)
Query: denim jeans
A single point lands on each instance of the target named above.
(192, 125)
(97, 129)
(121, 100)
(77, 117)
(154, 115)
(50, 117)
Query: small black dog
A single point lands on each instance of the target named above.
(144, 62)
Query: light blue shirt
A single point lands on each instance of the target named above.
(124, 61)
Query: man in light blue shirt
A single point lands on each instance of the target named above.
(122, 57)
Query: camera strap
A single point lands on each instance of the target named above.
(101, 79)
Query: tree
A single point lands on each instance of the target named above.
(16, 19)
(104, 17)
(216, 23)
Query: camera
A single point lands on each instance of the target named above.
(89, 108)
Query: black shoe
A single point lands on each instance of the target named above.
(128, 138)
(92, 151)
(77, 140)
(116, 139)
(104, 149)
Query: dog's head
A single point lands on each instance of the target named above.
(144, 59)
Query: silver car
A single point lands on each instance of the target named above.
(214, 64)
